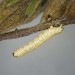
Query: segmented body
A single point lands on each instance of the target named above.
(38, 40)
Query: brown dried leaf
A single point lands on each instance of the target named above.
(63, 10)
(18, 15)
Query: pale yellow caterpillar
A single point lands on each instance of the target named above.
(38, 40)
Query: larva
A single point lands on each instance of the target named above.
(40, 39)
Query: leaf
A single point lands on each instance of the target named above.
(11, 14)
(62, 10)
(54, 10)
(10, 2)
(20, 14)
(6, 9)
(69, 14)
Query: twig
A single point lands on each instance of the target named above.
(31, 30)
(23, 32)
